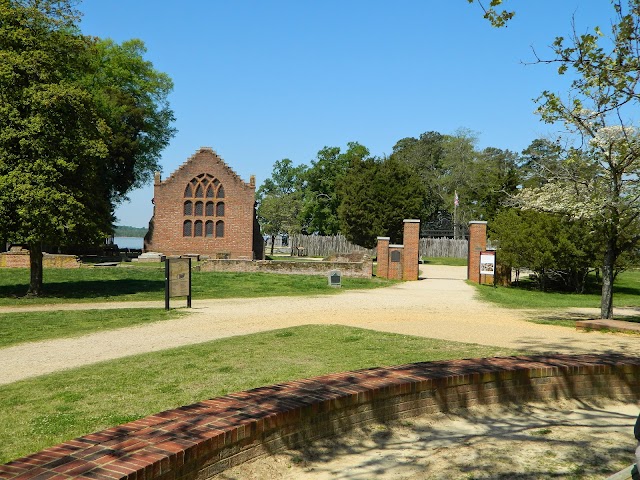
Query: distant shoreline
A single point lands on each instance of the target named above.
(129, 232)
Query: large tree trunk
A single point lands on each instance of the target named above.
(35, 260)
(606, 300)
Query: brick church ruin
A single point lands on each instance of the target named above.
(205, 208)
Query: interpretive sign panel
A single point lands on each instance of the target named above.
(487, 263)
(177, 279)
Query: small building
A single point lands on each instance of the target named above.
(205, 208)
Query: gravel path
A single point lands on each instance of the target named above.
(441, 305)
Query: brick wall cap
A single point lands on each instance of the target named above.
(396, 246)
(384, 238)
(482, 222)
(412, 220)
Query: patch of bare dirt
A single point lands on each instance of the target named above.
(564, 440)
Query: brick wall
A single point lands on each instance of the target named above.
(49, 260)
(206, 438)
(411, 255)
(477, 244)
(400, 262)
(166, 229)
(383, 257)
(362, 269)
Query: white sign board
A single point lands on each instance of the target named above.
(487, 264)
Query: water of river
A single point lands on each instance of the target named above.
(129, 242)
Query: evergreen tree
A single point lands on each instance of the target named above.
(377, 195)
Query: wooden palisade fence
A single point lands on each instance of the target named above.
(323, 246)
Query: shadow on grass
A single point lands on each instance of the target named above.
(619, 289)
(88, 289)
(569, 318)
(592, 287)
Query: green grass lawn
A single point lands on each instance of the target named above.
(41, 412)
(34, 326)
(456, 262)
(129, 283)
(626, 294)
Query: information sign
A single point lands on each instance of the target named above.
(487, 264)
(177, 279)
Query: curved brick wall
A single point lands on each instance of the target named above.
(200, 440)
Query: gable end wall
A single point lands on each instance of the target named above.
(169, 215)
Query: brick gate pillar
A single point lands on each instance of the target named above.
(382, 250)
(396, 253)
(411, 254)
(477, 244)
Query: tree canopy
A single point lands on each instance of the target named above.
(280, 199)
(82, 121)
(559, 250)
(321, 195)
(377, 195)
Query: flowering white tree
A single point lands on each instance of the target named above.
(605, 192)
(598, 109)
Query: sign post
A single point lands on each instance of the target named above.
(177, 280)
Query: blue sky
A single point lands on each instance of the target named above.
(259, 81)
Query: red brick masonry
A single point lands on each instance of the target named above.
(201, 440)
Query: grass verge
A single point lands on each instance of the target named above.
(455, 262)
(47, 410)
(550, 308)
(626, 293)
(24, 327)
(108, 284)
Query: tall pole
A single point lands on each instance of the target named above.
(455, 215)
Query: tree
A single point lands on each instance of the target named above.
(498, 18)
(51, 136)
(483, 179)
(321, 198)
(425, 155)
(62, 165)
(377, 195)
(493, 177)
(132, 99)
(280, 199)
(554, 247)
(603, 167)
(540, 161)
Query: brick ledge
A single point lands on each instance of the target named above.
(203, 439)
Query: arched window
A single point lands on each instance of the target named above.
(203, 186)
(186, 228)
(197, 228)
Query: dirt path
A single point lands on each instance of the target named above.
(440, 306)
